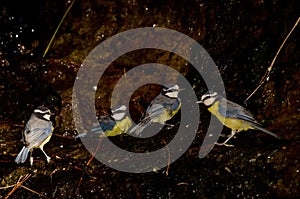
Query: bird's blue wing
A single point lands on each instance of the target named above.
(173, 106)
(107, 124)
(235, 111)
(154, 111)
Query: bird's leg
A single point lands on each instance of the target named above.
(31, 158)
(233, 132)
(48, 158)
(169, 126)
(224, 135)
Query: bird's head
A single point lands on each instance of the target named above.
(119, 112)
(42, 113)
(208, 98)
(171, 91)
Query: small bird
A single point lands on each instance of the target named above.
(112, 125)
(161, 109)
(38, 131)
(232, 115)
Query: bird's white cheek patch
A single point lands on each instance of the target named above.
(118, 116)
(209, 101)
(47, 117)
(172, 94)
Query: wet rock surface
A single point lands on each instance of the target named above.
(241, 37)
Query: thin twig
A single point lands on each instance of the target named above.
(94, 154)
(21, 180)
(267, 74)
(169, 157)
(6, 187)
(53, 36)
(33, 191)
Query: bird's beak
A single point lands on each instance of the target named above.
(199, 102)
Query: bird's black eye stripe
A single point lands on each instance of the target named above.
(206, 97)
(209, 95)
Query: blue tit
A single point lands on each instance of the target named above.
(161, 109)
(232, 115)
(112, 125)
(38, 131)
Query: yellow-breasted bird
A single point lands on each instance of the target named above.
(232, 115)
(161, 109)
(38, 131)
(111, 125)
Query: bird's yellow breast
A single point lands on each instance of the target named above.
(44, 142)
(120, 127)
(175, 111)
(234, 124)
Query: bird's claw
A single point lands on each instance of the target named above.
(224, 144)
(48, 159)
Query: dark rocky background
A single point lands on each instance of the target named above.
(242, 37)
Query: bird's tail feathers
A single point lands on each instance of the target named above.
(22, 156)
(97, 131)
(265, 131)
